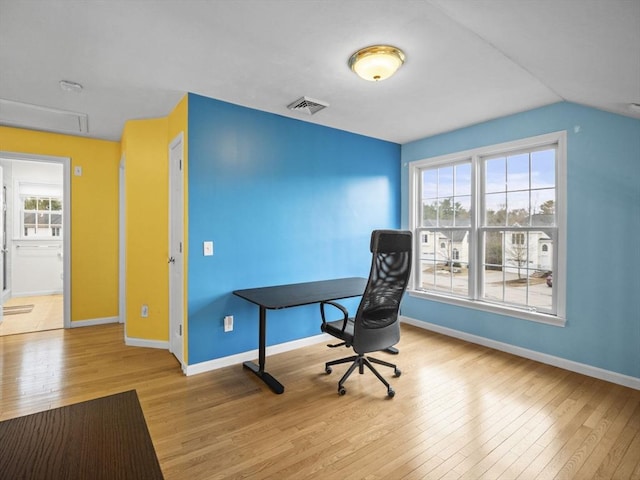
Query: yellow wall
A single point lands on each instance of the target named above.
(94, 215)
(145, 149)
(178, 122)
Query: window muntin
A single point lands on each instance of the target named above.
(506, 241)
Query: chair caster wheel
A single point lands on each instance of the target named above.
(397, 372)
(328, 370)
(391, 392)
(342, 391)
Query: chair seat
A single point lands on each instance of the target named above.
(335, 328)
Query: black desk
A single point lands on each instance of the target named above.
(295, 295)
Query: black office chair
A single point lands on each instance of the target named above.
(375, 326)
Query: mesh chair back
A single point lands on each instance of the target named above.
(376, 322)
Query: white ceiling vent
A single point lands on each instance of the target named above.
(19, 114)
(308, 105)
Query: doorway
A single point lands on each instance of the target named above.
(35, 259)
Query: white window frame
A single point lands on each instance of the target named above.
(559, 250)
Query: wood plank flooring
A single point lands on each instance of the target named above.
(461, 411)
(47, 314)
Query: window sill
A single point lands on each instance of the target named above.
(488, 307)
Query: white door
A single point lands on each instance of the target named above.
(3, 244)
(176, 262)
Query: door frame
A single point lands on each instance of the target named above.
(122, 245)
(176, 249)
(66, 223)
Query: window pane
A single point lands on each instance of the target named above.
(495, 179)
(495, 213)
(430, 183)
(445, 182)
(493, 250)
(445, 212)
(541, 249)
(444, 261)
(518, 203)
(43, 204)
(463, 179)
(462, 211)
(427, 260)
(43, 219)
(515, 269)
(540, 292)
(56, 220)
(30, 203)
(516, 254)
(544, 207)
(543, 169)
(56, 205)
(430, 213)
(518, 172)
(29, 219)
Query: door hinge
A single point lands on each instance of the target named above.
(180, 247)
(180, 330)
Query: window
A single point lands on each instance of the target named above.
(497, 215)
(41, 216)
(517, 238)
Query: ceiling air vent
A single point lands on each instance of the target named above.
(42, 118)
(307, 105)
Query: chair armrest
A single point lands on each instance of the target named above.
(344, 311)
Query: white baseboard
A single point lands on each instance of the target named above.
(600, 373)
(94, 321)
(39, 293)
(253, 354)
(143, 342)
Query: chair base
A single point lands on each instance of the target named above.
(360, 361)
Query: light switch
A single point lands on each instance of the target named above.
(207, 248)
(77, 171)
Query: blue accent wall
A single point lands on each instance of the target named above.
(603, 258)
(284, 201)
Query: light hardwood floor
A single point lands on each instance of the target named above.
(47, 314)
(460, 411)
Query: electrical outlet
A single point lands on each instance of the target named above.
(144, 311)
(228, 323)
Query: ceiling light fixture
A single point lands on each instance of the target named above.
(377, 62)
(69, 86)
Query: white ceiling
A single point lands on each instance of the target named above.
(467, 60)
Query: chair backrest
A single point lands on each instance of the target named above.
(376, 325)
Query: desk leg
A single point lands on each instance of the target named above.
(271, 382)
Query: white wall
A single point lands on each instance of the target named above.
(35, 265)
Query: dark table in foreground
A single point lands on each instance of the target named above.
(106, 438)
(293, 295)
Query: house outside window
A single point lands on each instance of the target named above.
(498, 215)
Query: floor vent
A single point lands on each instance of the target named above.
(308, 105)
